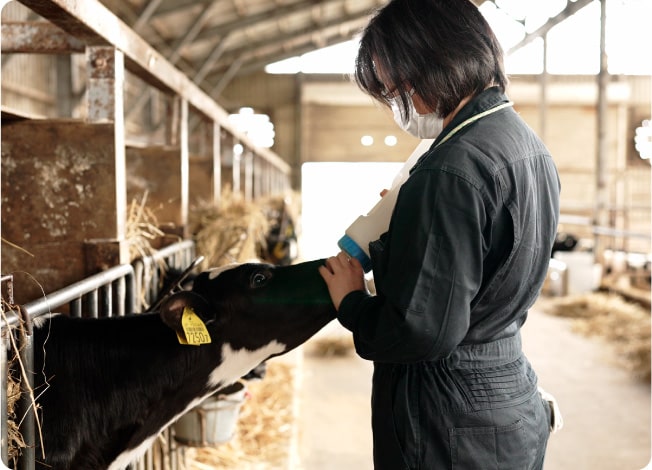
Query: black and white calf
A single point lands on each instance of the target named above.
(108, 387)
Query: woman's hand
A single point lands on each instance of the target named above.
(342, 275)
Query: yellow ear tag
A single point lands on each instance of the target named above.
(194, 330)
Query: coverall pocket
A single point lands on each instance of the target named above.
(497, 387)
(497, 447)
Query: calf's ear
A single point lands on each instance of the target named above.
(172, 308)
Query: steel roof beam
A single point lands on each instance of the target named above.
(167, 7)
(274, 14)
(570, 10)
(303, 42)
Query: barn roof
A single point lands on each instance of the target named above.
(215, 41)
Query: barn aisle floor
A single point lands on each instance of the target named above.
(606, 411)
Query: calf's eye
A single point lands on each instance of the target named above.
(258, 280)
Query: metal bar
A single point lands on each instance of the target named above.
(172, 450)
(139, 288)
(38, 37)
(600, 217)
(130, 293)
(4, 383)
(184, 164)
(120, 286)
(148, 291)
(65, 96)
(269, 15)
(173, 6)
(228, 75)
(600, 230)
(249, 176)
(211, 60)
(184, 245)
(146, 14)
(217, 162)
(24, 408)
(28, 92)
(105, 102)
(105, 83)
(76, 308)
(70, 293)
(236, 173)
(570, 10)
(195, 28)
(611, 232)
(106, 300)
(91, 305)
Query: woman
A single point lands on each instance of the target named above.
(465, 254)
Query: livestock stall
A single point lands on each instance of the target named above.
(117, 291)
(67, 203)
(68, 175)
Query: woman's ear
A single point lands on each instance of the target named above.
(172, 308)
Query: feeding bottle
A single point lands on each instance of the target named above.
(368, 228)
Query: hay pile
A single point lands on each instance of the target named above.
(142, 234)
(264, 428)
(609, 316)
(228, 232)
(14, 437)
(15, 374)
(289, 203)
(142, 229)
(332, 346)
(15, 442)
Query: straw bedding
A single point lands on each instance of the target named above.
(264, 429)
(624, 324)
(15, 374)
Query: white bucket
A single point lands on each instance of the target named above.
(214, 420)
(556, 282)
(583, 273)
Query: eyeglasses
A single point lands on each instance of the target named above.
(388, 94)
(393, 93)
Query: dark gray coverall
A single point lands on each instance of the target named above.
(463, 260)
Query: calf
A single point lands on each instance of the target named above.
(107, 387)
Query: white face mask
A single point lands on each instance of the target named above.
(423, 126)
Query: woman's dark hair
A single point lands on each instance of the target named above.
(444, 49)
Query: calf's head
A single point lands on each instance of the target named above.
(253, 305)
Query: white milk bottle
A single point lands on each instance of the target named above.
(368, 228)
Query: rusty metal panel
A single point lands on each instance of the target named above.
(58, 190)
(156, 171)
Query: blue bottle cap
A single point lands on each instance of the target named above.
(348, 245)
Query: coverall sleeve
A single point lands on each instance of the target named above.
(427, 270)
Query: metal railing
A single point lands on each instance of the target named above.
(150, 269)
(114, 292)
(149, 272)
(107, 293)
